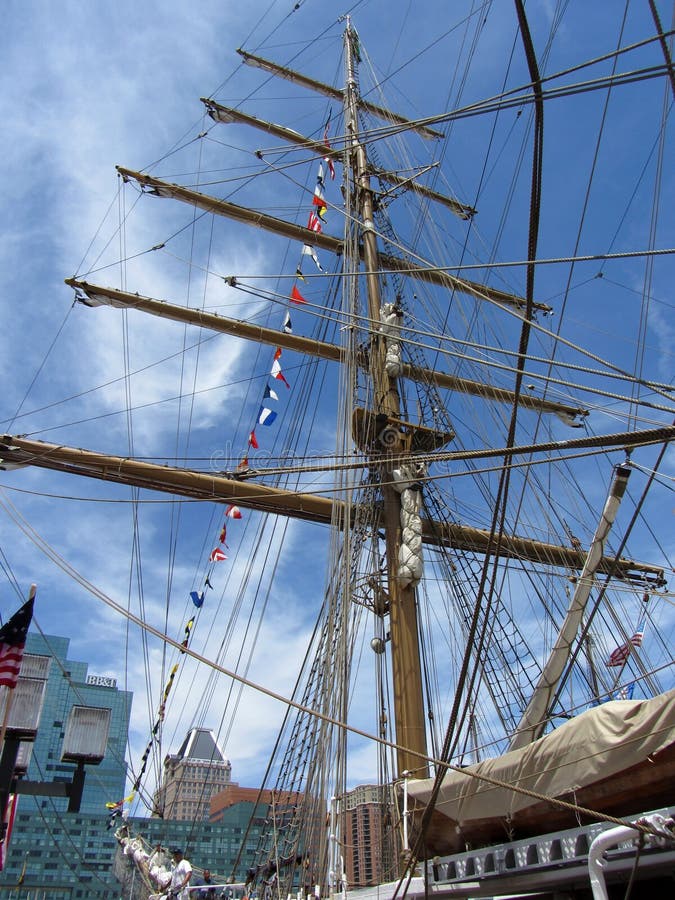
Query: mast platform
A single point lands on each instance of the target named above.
(379, 432)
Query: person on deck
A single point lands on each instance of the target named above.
(180, 876)
(207, 891)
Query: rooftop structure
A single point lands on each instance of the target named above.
(191, 777)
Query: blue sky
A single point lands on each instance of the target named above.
(86, 87)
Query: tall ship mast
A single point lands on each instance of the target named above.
(482, 549)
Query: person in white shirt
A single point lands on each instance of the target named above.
(180, 876)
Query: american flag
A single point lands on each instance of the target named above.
(619, 656)
(13, 640)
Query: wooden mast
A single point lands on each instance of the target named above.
(405, 653)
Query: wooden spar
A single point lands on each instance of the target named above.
(219, 488)
(431, 275)
(168, 479)
(310, 347)
(535, 717)
(233, 211)
(226, 115)
(106, 296)
(336, 94)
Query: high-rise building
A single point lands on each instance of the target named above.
(191, 777)
(369, 837)
(58, 854)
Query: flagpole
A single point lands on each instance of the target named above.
(5, 720)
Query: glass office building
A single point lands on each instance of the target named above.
(54, 853)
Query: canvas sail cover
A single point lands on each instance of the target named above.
(620, 736)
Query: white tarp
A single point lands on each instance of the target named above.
(611, 738)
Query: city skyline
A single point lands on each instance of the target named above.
(72, 854)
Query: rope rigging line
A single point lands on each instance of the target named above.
(45, 548)
(664, 44)
(135, 560)
(523, 94)
(663, 389)
(488, 598)
(575, 386)
(466, 678)
(641, 345)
